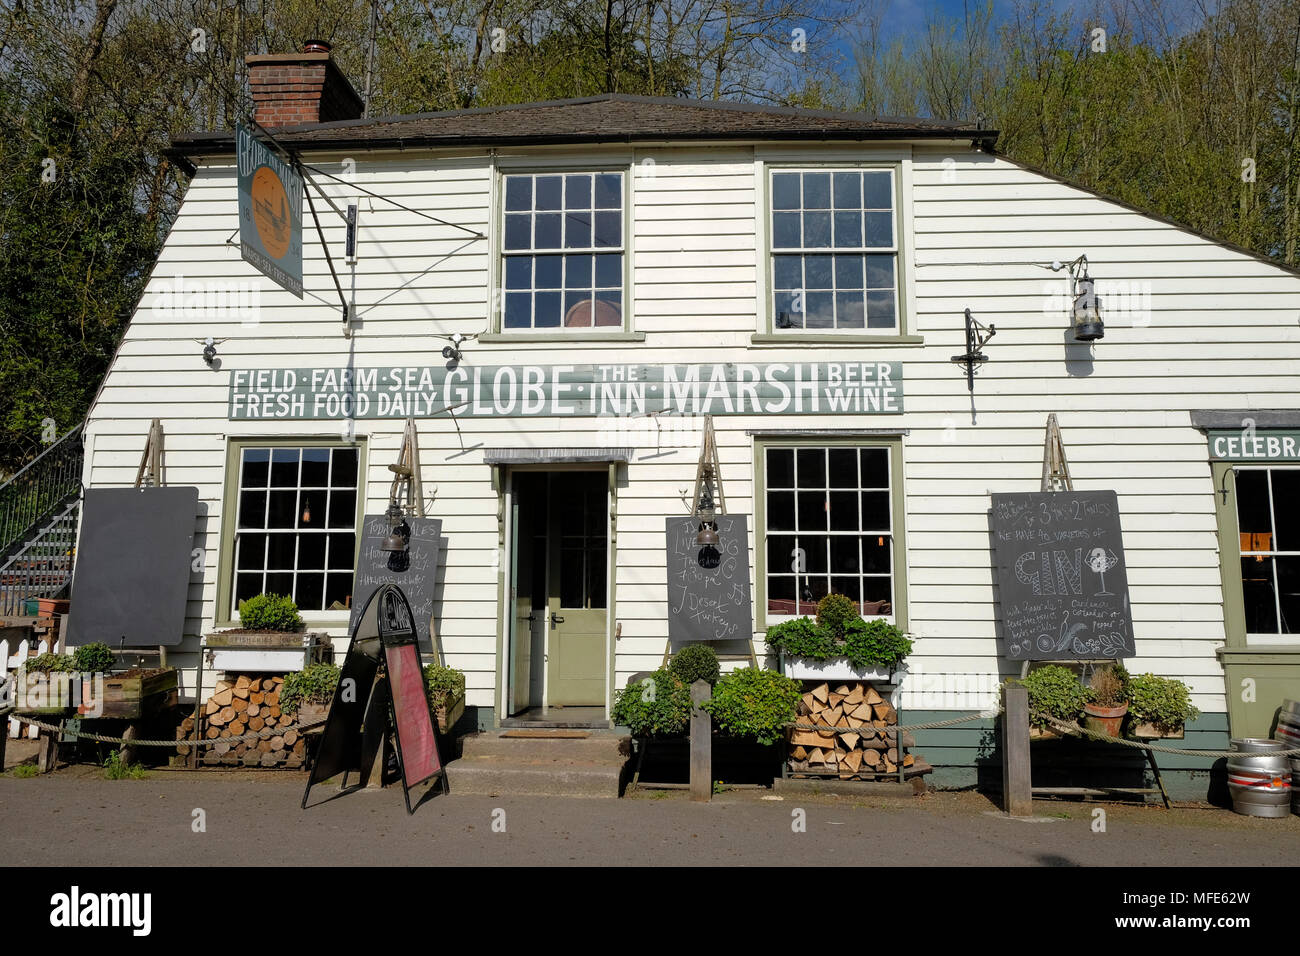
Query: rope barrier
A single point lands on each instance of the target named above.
(265, 734)
(897, 728)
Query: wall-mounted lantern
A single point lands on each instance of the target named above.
(1086, 311)
(399, 537)
(976, 337)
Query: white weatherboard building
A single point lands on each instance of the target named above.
(622, 266)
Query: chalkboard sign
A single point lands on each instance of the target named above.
(133, 571)
(708, 588)
(413, 571)
(1062, 577)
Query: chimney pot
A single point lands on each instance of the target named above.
(316, 46)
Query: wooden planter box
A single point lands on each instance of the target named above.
(449, 711)
(139, 693)
(1151, 732)
(835, 669)
(1048, 733)
(307, 713)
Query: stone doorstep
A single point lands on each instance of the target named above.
(507, 777)
(613, 748)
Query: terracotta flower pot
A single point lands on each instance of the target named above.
(1104, 720)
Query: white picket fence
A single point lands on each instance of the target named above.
(9, 665)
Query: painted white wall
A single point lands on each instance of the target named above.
(1221, 332)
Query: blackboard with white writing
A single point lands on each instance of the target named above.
(1062, 577)
(708, 588)
(414, 571)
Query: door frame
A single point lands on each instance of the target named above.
(503, 481)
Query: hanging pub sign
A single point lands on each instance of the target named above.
(1062, 578)
(530, 391)
(270, 213)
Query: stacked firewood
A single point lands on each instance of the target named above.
(243, 705)
(860, 739)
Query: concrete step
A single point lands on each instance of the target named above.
(598, 746)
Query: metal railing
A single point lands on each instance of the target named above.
(43, 488)
(43, 568)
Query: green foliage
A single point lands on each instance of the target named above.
(94, 658)
(269, 612)
(1106, 687)
(443, 683)
(1163, 701)
(25, 771)
(659, 706)
(695, 662)
(875, 643)
(834, 612)
(1054, 690)
(45, 663)
(754, 703)
(801, 637)
(314, 684)
(115, 768)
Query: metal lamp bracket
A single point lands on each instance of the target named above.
(977, 336)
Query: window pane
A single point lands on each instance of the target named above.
(1253, 507)
(876, 589)
(315, 467)
(843, 467)
(609, 272)
(343, 509)
(341, 550)
(788, 308)
(851, 588)
(848, 229)
(875, 511)
(780, 467)
(812, 468)
(850, 310)
(548, 192)
(780, 510)
(547, 314)
(283, 512)
(879, 229)
(844, 555)
(280, 583)
(843, 510)
(577, 272)
(343, 468)
(338, 590)
(875, 467)
(1286, 511)
(787, 272)
(577, 230)
(820, 310)
(307, 515)
(780, 595)
(284, 468)
(879, 191)
(875, 553)
(812, 510)
(848, 272)
(609, 191)
(310, 592)
(815, 547)
(247, 586)
(609, 229)
(519, 229)
(880, 272)
(609, 308)
(785, 191)
(256, 467)
(817, 272)
(311, 552)
(596, 572)
(816, 190)
(519, 193)
(1288, 586)
(280, 552)
(880, 310)
(547, 271)
(1258, 595)
(577, 191)
(519, 272)
(785, 230)
(571, 574)
(252, 552)
(518, 310)
(577, 310)
(817, 230)
(546, 231)
(848, 190)
(252, 509)
(780, 552)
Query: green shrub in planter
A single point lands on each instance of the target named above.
(695, 662)
(443, 684)
(834, 613)
(875, 643)
(269, 612)
(314, 684)
(754, 703)
(801, 637)
(1054, 690)
(1162, 701)
(47, 663)
(659, 706)
(94, 658)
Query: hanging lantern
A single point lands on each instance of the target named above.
(306, 510)
(1088, 326)
(399, 538)
(707, 536)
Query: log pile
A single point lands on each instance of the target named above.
(867, 744)
(246, 704)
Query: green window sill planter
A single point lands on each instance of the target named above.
(834, 669)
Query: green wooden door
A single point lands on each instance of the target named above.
(577, 594)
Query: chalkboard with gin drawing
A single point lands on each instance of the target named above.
(1062, 578)
(709, 599)
(414, 571)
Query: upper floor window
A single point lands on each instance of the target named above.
(1268, 520)
(562, 252)
(834, 250)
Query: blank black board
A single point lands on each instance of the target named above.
(709, 599)
(1062, 576)
(416, 577)
(132, 573)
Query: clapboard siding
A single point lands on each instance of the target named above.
(1212, 327)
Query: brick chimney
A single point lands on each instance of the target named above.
(290, 89)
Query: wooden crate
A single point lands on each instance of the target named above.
(139, 693)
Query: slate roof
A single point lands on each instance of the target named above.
(611, 118)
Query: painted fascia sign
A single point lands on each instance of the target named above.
(1250, 444)
(270, 213)
(527, 391)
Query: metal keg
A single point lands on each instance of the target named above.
(1288, 724)
(1260, 781)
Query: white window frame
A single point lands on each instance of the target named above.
(1265, 637)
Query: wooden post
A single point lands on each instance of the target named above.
(4, 737)
(47, 751)
(701, 744)
(1017, 791)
